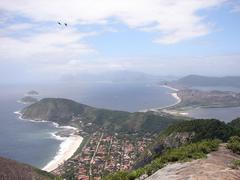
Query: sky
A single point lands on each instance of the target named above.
(160, 37)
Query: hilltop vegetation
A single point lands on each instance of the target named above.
(185, 132)
(64, 111)
(10, 169)
(235, 124)
(203, 129)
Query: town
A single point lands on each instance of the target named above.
(102, 153)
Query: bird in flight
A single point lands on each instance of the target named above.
(61, 24)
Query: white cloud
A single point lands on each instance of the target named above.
(58, 45)
(176, 20)
(223, 65)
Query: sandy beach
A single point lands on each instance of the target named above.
(177, 98)
(169, 87)
(67, 147)
(66, 150)
(174, 94)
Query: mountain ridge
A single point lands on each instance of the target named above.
(199, 80)
(69, 112)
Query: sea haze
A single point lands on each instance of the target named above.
(32, 142)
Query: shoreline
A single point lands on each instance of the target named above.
(174, 95)
(67, 147)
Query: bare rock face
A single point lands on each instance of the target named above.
(217, 166)
(177, 139)
(173, 140)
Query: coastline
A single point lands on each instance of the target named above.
(174, 95)
(67, 147)
(66, 150)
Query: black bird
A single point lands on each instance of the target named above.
(59, 23)
(65, 24)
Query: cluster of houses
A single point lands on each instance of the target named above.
(104, 153)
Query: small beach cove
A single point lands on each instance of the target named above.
(70, 142)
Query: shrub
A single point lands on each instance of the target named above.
(236, 164)
(234, 144)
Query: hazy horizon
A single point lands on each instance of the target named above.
(173, 38)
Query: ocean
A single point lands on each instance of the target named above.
(33, 142)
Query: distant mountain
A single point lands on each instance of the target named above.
(32, 93)
(10, 169)
(196, 80)
(113, 76)
(66, 112)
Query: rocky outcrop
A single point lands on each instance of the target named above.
(173, 140)
(217, 166)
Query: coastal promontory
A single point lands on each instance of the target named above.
(69, 112)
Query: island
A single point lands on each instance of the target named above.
(32, 93)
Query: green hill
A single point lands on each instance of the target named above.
(68, 112)
(185, 132)
(10, 169)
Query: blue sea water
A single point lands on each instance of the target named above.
(21, 140)
(32, 142)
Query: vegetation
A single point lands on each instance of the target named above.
(69, 173)
(64, 111)
(236, 125)
(234, 144)
(184, 132)
(183, 153)
(203, 129)
(11, 169)
(46, 175)
(236, 164)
